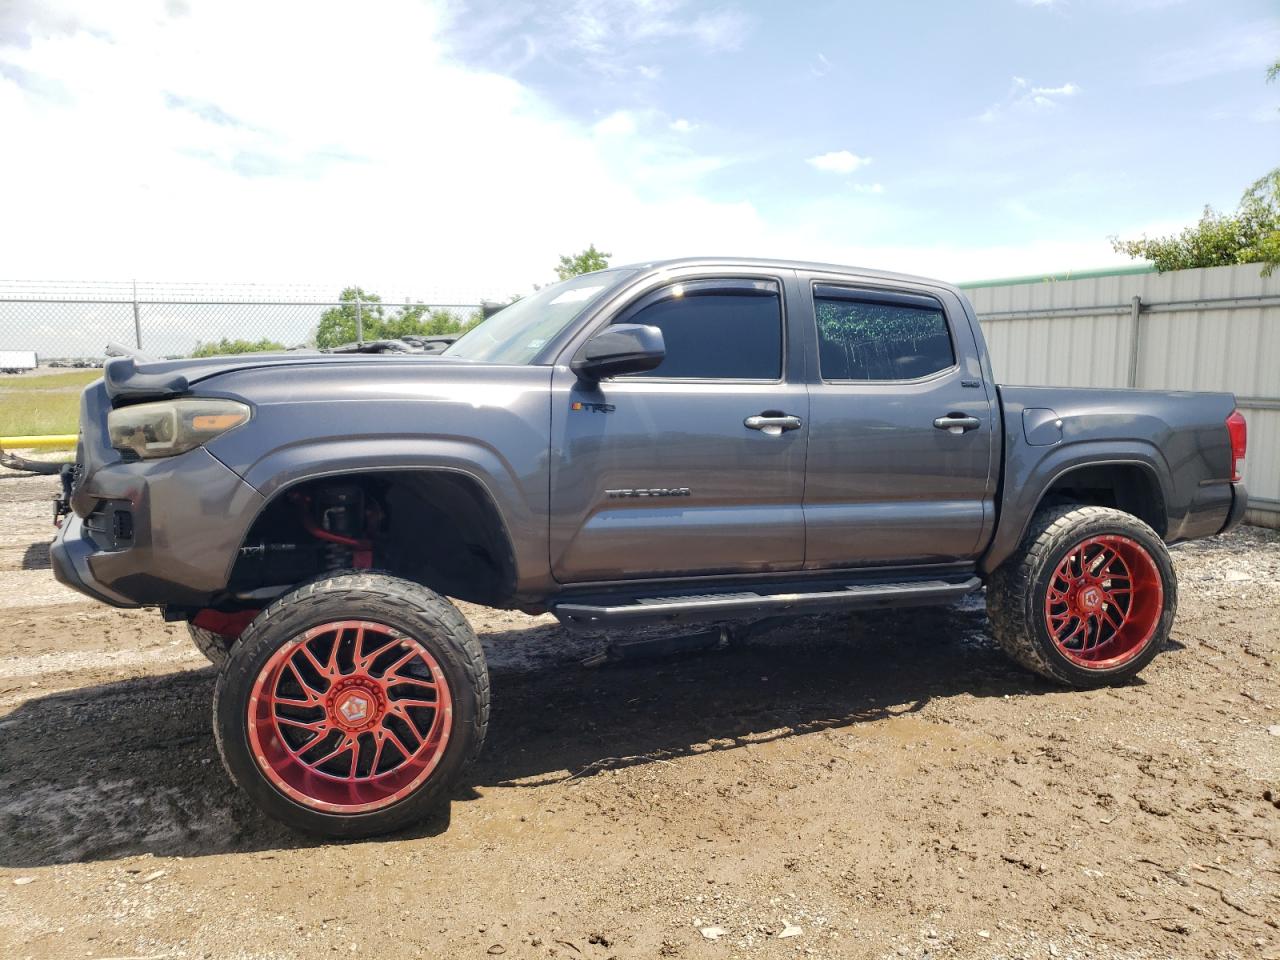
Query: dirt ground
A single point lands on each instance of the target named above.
(862, 786)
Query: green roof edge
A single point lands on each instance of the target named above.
(1069, 275)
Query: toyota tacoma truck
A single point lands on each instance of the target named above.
(719, 441)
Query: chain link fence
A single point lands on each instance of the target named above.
(71, 323)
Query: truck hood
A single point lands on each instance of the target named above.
(128, 379)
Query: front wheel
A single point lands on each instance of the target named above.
(351, 705)
(1088, 599)
(214, 646)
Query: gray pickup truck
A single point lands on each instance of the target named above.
(714, 440)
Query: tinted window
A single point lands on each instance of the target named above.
(868, 340)
(715, 331)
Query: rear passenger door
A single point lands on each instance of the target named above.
(673, 472)
(902, 429)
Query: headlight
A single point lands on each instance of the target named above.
(170, 427)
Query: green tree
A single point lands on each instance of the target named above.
(338, 324)
(224, 346)
(587, 261)
(1261, 204)
(1250, 235)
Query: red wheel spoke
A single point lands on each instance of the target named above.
(329, 672)
(1070, 636)
(400, 744)
(320, 726)
(379, 739)
(392, 673)
(365, 661)
(414, 702)
(343, 745)
(1108, 615)
(312, 695)
(1093, 631)
(357, 705)
(1103, 601)
(1098, 562)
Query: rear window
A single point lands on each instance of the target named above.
(872, 337)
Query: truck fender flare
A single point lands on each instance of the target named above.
(1026, 485)
(289, 466)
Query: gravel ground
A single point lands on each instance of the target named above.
(861, 786)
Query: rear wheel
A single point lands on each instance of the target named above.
(351, 705)
(1088, 599)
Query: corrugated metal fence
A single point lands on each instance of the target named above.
(1216, 328)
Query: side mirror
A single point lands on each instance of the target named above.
(621, 348)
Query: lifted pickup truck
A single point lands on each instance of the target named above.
(708, 440)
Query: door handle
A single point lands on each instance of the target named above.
(957, 423)
(772, 424)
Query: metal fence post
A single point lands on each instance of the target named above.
(359, 322)
(1135, 341)
(137, 319)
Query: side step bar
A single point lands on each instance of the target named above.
(750, 605)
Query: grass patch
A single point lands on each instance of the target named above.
(51, 381)
(39, 406)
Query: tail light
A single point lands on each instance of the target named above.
(1238, 431)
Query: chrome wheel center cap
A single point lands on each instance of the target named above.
(1090, 599)
(354, 704)
(354, 708)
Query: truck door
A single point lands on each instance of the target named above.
(902, 431)
(695, 467)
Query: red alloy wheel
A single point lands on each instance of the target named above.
(1104, 602)
(349, 717)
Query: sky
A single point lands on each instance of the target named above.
(454, 149)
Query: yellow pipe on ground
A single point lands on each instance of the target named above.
(54, 442)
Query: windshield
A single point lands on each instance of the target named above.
(516, 333)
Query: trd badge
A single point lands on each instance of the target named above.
(593, 407)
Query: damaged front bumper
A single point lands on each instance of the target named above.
(148, 532)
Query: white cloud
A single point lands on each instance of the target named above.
(1024, 95)
(621, 123)
(821, 65)
(607, 28)
(681, 125)
(189, 148)
(1066, 90)
(838, 161)
(873, 188)
(617, 39)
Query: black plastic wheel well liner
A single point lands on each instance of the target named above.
(1130, 487)
(441, 528)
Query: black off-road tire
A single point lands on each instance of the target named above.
(1016, 592)
(214, 646)
(408, 608)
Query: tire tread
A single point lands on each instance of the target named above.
(396, 594)
(1012, 606)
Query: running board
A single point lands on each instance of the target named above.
(754, 604)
